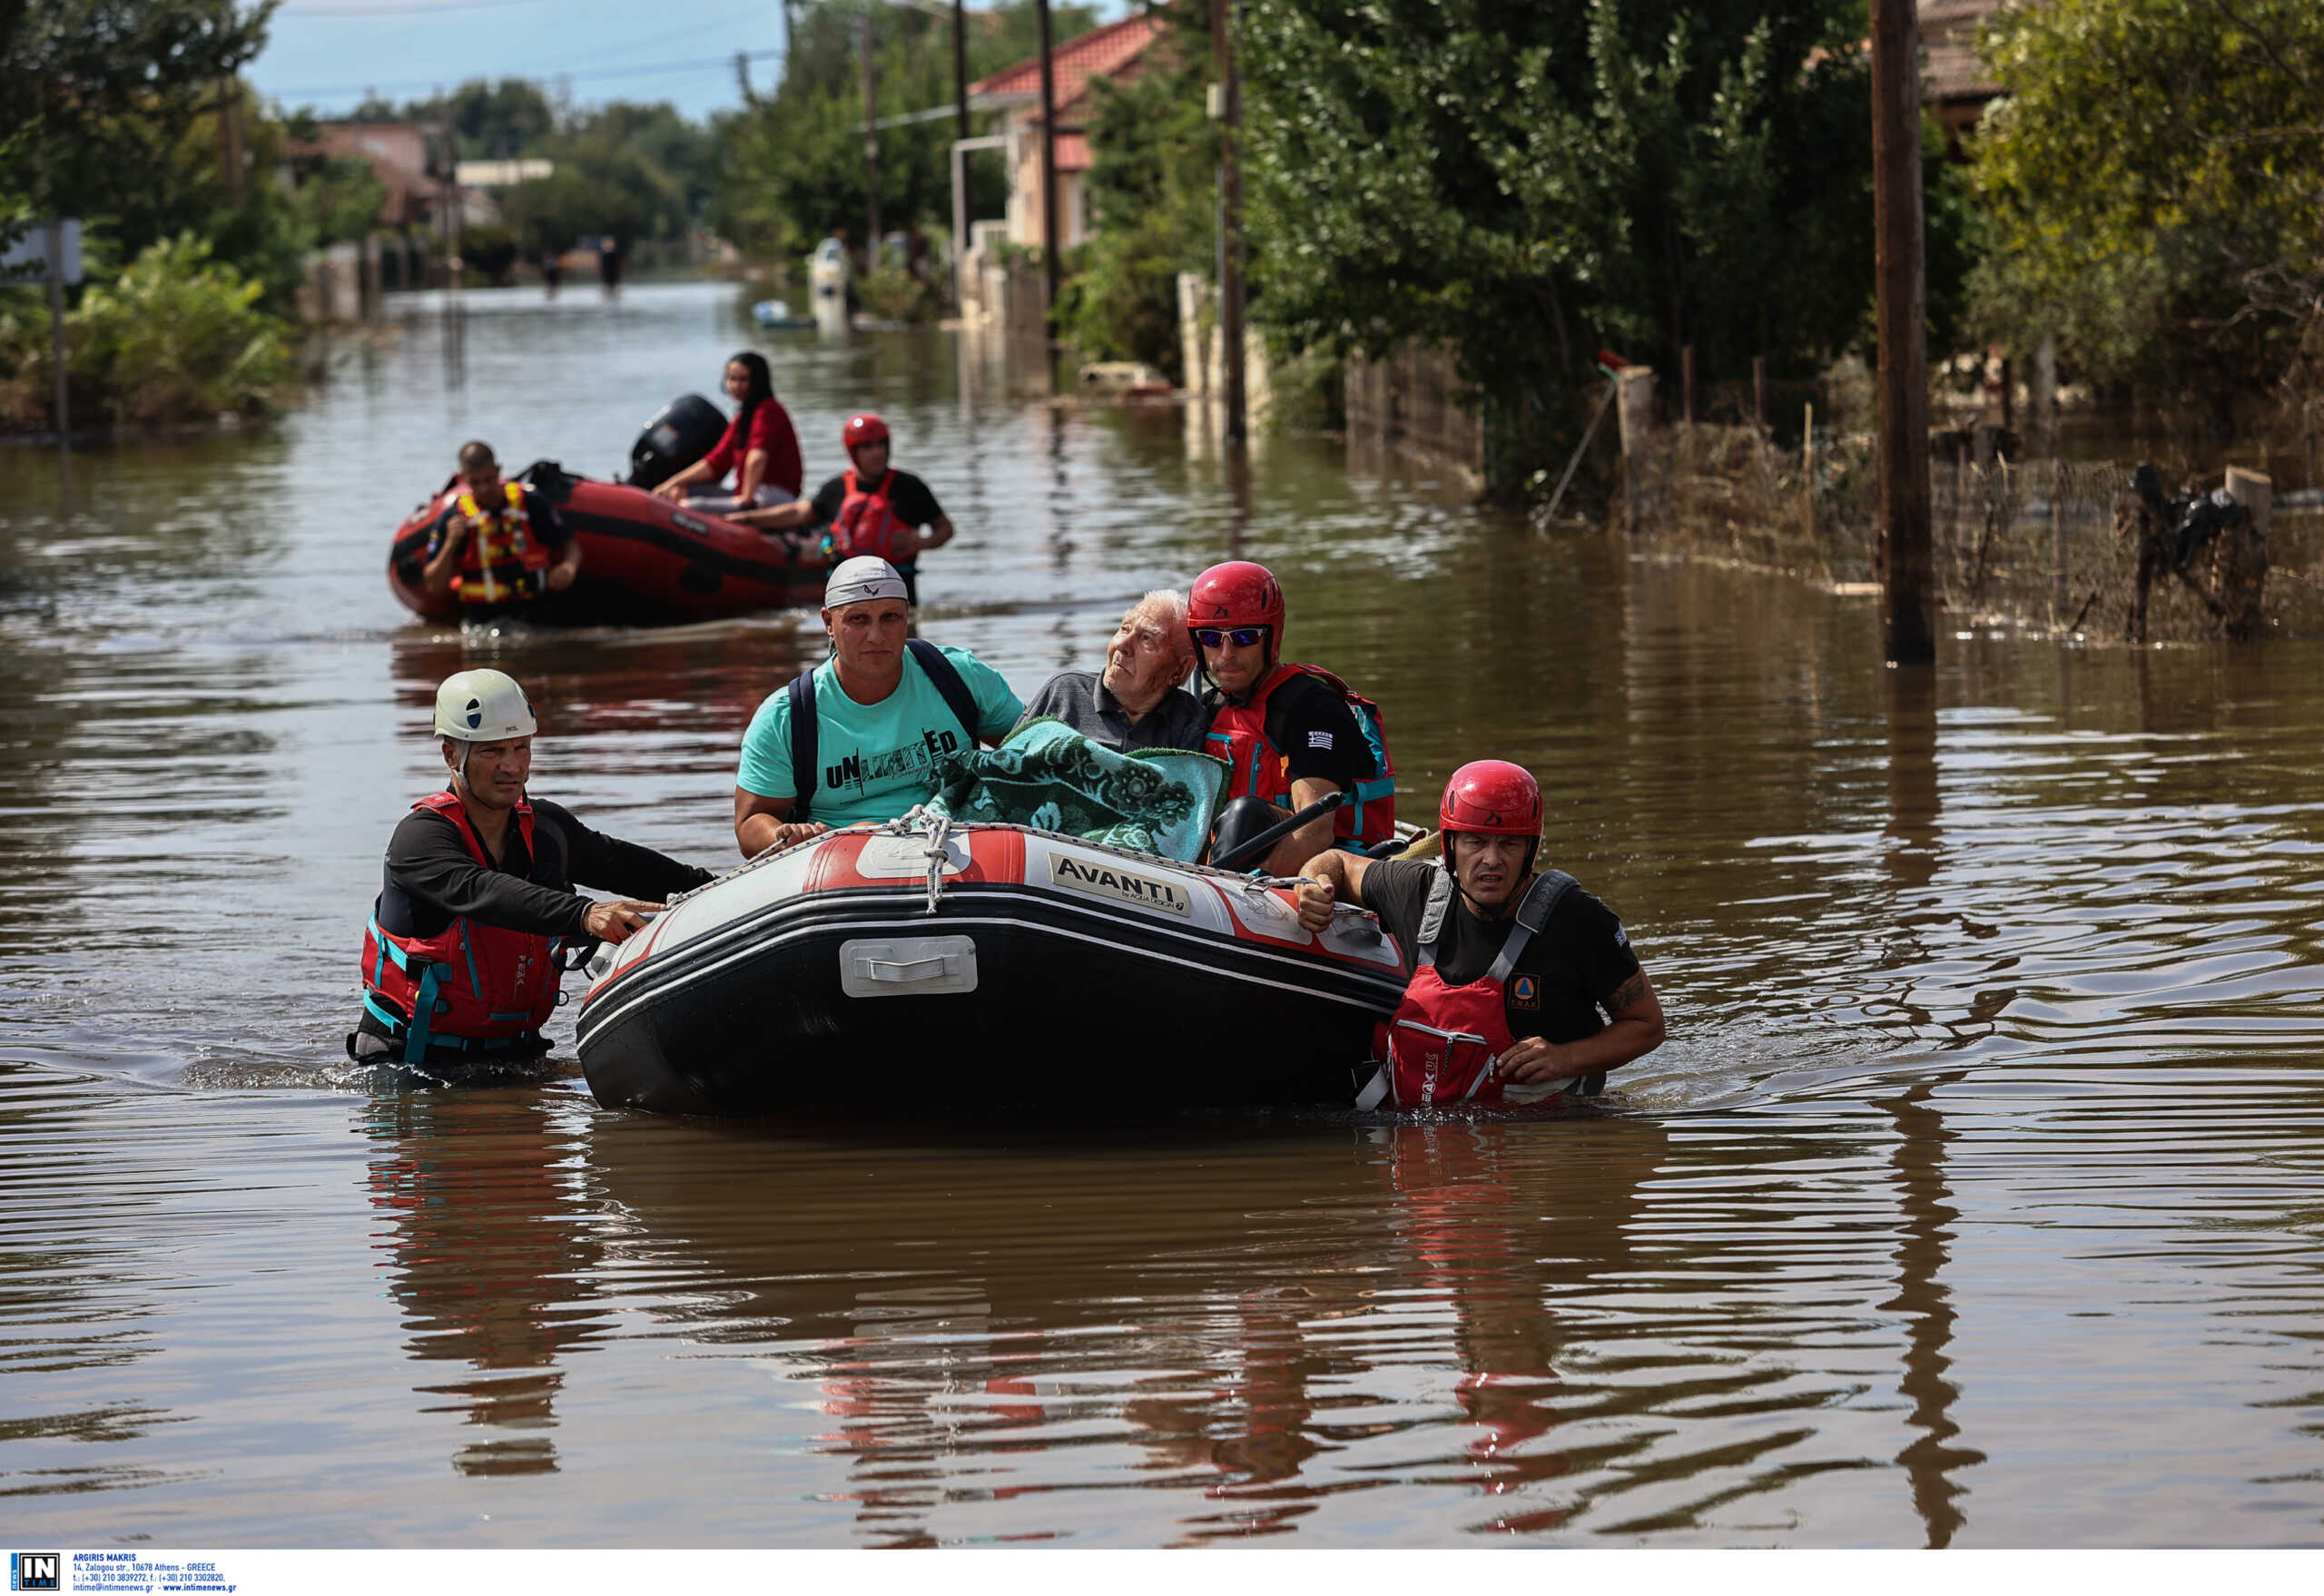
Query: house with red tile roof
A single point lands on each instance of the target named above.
(1113, 53)
(1956, 85)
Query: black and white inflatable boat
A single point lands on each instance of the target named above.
(926, 961)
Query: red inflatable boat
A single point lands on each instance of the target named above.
(644, 560)
(926, 961)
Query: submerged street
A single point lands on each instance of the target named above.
(1973, 1200)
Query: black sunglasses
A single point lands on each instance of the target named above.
(1240, 636)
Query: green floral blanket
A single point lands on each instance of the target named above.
(1046, 774)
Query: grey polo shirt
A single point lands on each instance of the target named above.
(1079, 699)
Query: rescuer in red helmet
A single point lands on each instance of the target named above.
(1511, 967)
(1290, 733)
(871, 509)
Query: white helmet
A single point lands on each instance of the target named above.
(482, 706)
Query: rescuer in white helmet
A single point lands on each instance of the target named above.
(476, 917)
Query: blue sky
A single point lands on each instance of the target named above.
(326, 53)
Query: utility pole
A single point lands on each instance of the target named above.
(959, 166)
(871, 149)
(1049, 242)
(1907, 610)
(230, 136)
(1230, 224)
(55, 242)
(960, 80)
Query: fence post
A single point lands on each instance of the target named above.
(2239, 567)
(1759, 390)
(1687, 382)
(1635, 401)
(2058, 546)
(1807, 465)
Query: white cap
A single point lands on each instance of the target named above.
(482, 706)
(867, 576)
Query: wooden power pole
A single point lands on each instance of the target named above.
(1908, 611)
(1051, 243)
(1231, 432)
(870, 150)
(960, 83)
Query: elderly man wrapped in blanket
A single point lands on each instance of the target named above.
(1047, 775)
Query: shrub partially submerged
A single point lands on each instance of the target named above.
(176, 337)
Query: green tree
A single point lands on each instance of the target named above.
(91, 90)
(2153, 189)
(99, 101)
(683, 151)
(498, 121)
(1525, 180)
(794, 160)
(1152, 188)
(337, 198)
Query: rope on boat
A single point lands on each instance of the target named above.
(940, 826)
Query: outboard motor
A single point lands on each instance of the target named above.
(688, 427)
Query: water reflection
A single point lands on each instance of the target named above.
(1991, 1108)
(1475, 1210)
(1239, 1321)
(488, 1250)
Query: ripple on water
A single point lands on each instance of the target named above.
(1972, 1202)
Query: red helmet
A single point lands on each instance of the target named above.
(1237, 594)
(866, 428)
(1492, 798)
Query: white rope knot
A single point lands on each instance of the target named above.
(937, 829)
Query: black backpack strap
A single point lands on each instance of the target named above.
(947, 678)
(1541, 900)
(1432, 920)
(806, 773)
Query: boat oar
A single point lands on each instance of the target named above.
(1257, 848)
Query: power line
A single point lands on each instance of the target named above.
(720, 62)
(332, 13)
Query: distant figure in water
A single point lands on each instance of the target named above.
(760, 446)
(496, 546)
(552, 272)
(461, 958)
(609, 262)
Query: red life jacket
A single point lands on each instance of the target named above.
(468, 985)
(1256, 768)
(1444, 1039)
(502, 560)
(868, 524)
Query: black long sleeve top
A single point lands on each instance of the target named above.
(431, 878)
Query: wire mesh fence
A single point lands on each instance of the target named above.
(2054, 544)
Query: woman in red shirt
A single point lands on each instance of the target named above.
(759, 447)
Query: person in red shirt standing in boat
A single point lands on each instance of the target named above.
(1290, 734)
(1523, 984)
(872, 509)
(496, 546)
(760, 446)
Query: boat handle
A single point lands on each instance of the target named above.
(918, 969)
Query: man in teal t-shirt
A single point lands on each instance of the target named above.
(882, 709)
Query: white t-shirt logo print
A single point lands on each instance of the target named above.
(1319, 739)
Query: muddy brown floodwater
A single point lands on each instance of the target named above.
(1976, 1199)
